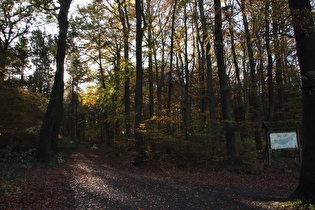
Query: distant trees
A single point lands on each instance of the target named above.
(42, 49)
(204, 72)
(181, 78)
(15, 21)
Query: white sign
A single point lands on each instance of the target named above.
(283, 140)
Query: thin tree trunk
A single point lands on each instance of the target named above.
(150, 67)
(105, 126)
(186, 76)
(209, 75)
(160, 80)
(139, 78)
(126, 29)
(240, 110)
(271, 101)
(170, 74)
(3, 61)
(202, 65)
(206, 41)
(224, 88)
(253, 98)
(279, 64)
(52, 120)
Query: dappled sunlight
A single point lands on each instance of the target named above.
(89, 180)
(95, 184)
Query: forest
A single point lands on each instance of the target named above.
(190, 83)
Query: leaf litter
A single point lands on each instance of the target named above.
(91, 180)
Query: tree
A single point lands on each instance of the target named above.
(123, 14)
(253, 98)
(102, 48)
(269, 65)
(139, 77)
(73, 122)
(42, 46)
(170, 74)
(15, 21)
(207, 60)
(186, 104)
(18, 59)
(277, 16)
(224, 89)
(51, 124)
(305, 43)
(239, 107)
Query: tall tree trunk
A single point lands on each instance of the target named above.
(150, 67)
(126, 29)
(240, 107)
(160, 79)
(305, 42)
(105, 126)
(139, 78)
(261, 81)
(209, 75)
(3, 61)
(205, 34)
(170, 74)
(253, 98)
(276, 6)
(200, 55)
(271, 102)
(186, 76)
(201, 68)
(53, 116)
(224, 88)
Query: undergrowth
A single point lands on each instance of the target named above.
(15, 163)
(295, 205)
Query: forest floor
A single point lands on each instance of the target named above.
(89, 180)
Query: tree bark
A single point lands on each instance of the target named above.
(105, 126)
(278, 59)
(271, 101)
(253, 98)
(139, 78)
(209, 75)
(206, 41)
(3, 61)
(52, 120)
(225, 91)
(305, 43)
(170, 74)
(186, 75)
(150, 54)
(126, 30)
(160, 79)
(240, 110)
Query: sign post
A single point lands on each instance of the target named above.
(282, 140)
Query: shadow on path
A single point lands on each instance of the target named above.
(100, 186)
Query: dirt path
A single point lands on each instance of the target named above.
(93, 184)
(88, 180)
